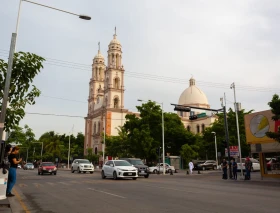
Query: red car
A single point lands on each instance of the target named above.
(47, 167)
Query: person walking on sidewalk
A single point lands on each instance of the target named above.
(191, 166)
(234, 169)
(12, 177)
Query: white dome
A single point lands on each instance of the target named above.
(115, 40)
(193, 95)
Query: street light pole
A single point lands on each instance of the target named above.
(216, 148)
(232, 86)
(69, 146)
(162, 121)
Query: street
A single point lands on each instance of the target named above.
(82, 193)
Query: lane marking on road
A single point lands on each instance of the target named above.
(37, 185)
(21, 202)
(22, 185)
(51, 184)
(74, 181)
(64, 183)
(179, 190)
(106, 193)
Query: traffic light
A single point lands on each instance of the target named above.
(224, 142)
(193, 117)
(182, 109)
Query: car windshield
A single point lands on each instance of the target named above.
(47, 164)
(29, 164)
(136, 162)
(122, 163)
(83, 161)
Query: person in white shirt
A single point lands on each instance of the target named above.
(191, 166)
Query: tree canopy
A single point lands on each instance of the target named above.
(275, 109)
(22, 92)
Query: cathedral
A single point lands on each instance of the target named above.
(106, 110)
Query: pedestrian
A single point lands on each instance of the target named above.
(248, 167)
(12, 177)
(191, 166)
(224, 166)
(234, 169)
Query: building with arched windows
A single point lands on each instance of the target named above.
(193, 96)
(106, 97)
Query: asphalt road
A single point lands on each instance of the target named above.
(88, 193)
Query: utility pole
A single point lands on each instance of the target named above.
(227, 135)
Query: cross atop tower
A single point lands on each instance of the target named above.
(99, 46)
(115, 35)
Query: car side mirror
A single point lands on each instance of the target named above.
(112, 165)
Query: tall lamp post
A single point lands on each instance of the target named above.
(41, 150)
(232, 86)
(162, 121)
(216, 148)
(69, 145)
(10, 64)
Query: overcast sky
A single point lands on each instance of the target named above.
(164, 43)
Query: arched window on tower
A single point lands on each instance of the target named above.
(95, 150)
(117, 83)
(117, 60)
(96, 73)
(116, 102)
(106, 101)
(197, 129)
(98, 127)
(188, 128)
(94, 128)
(100, 74)
(107, 83)
(202, 127)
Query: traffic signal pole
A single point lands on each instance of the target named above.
(227, 139)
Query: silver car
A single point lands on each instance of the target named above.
(28, 166)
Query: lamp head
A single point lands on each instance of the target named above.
(85, 17)
(140, 100)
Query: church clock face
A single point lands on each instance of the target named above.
(259, 125)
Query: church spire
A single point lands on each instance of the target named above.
(115, 35)
(99, 47)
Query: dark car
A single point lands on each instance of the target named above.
(208, 164)
(196, 162)
(143, 170)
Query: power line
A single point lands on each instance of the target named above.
(85, 67)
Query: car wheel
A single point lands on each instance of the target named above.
(115, 176)
(72, 170)
(54, 173)
(79, 170)
(146, 176)
(91, 172)
(103, 175)
(134, 178)
(169, 171)
(84, 172)
(155, 171)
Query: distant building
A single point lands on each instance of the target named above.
(106, 100)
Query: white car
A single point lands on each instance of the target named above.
(82, 165)
(256, 165)
(119, 169)
(159, 167)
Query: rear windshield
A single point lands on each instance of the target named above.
(47, 164)
(83, 161)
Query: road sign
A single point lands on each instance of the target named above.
(234, 151)
(1, 125)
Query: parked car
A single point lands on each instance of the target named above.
(255, 167)
(196, 162)
(82, 165)
(28, 166)
(19, 166)
(119, 169)
(159, 167)
(47, 167)
(143, 170)
(208, 164)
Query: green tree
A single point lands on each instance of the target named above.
(22, 92)
(189, 152)
(91, 156)
(218, 127)
(275, 109)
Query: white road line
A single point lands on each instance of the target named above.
(160, 187)
(106, 193)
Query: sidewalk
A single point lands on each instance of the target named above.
(5, 206)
